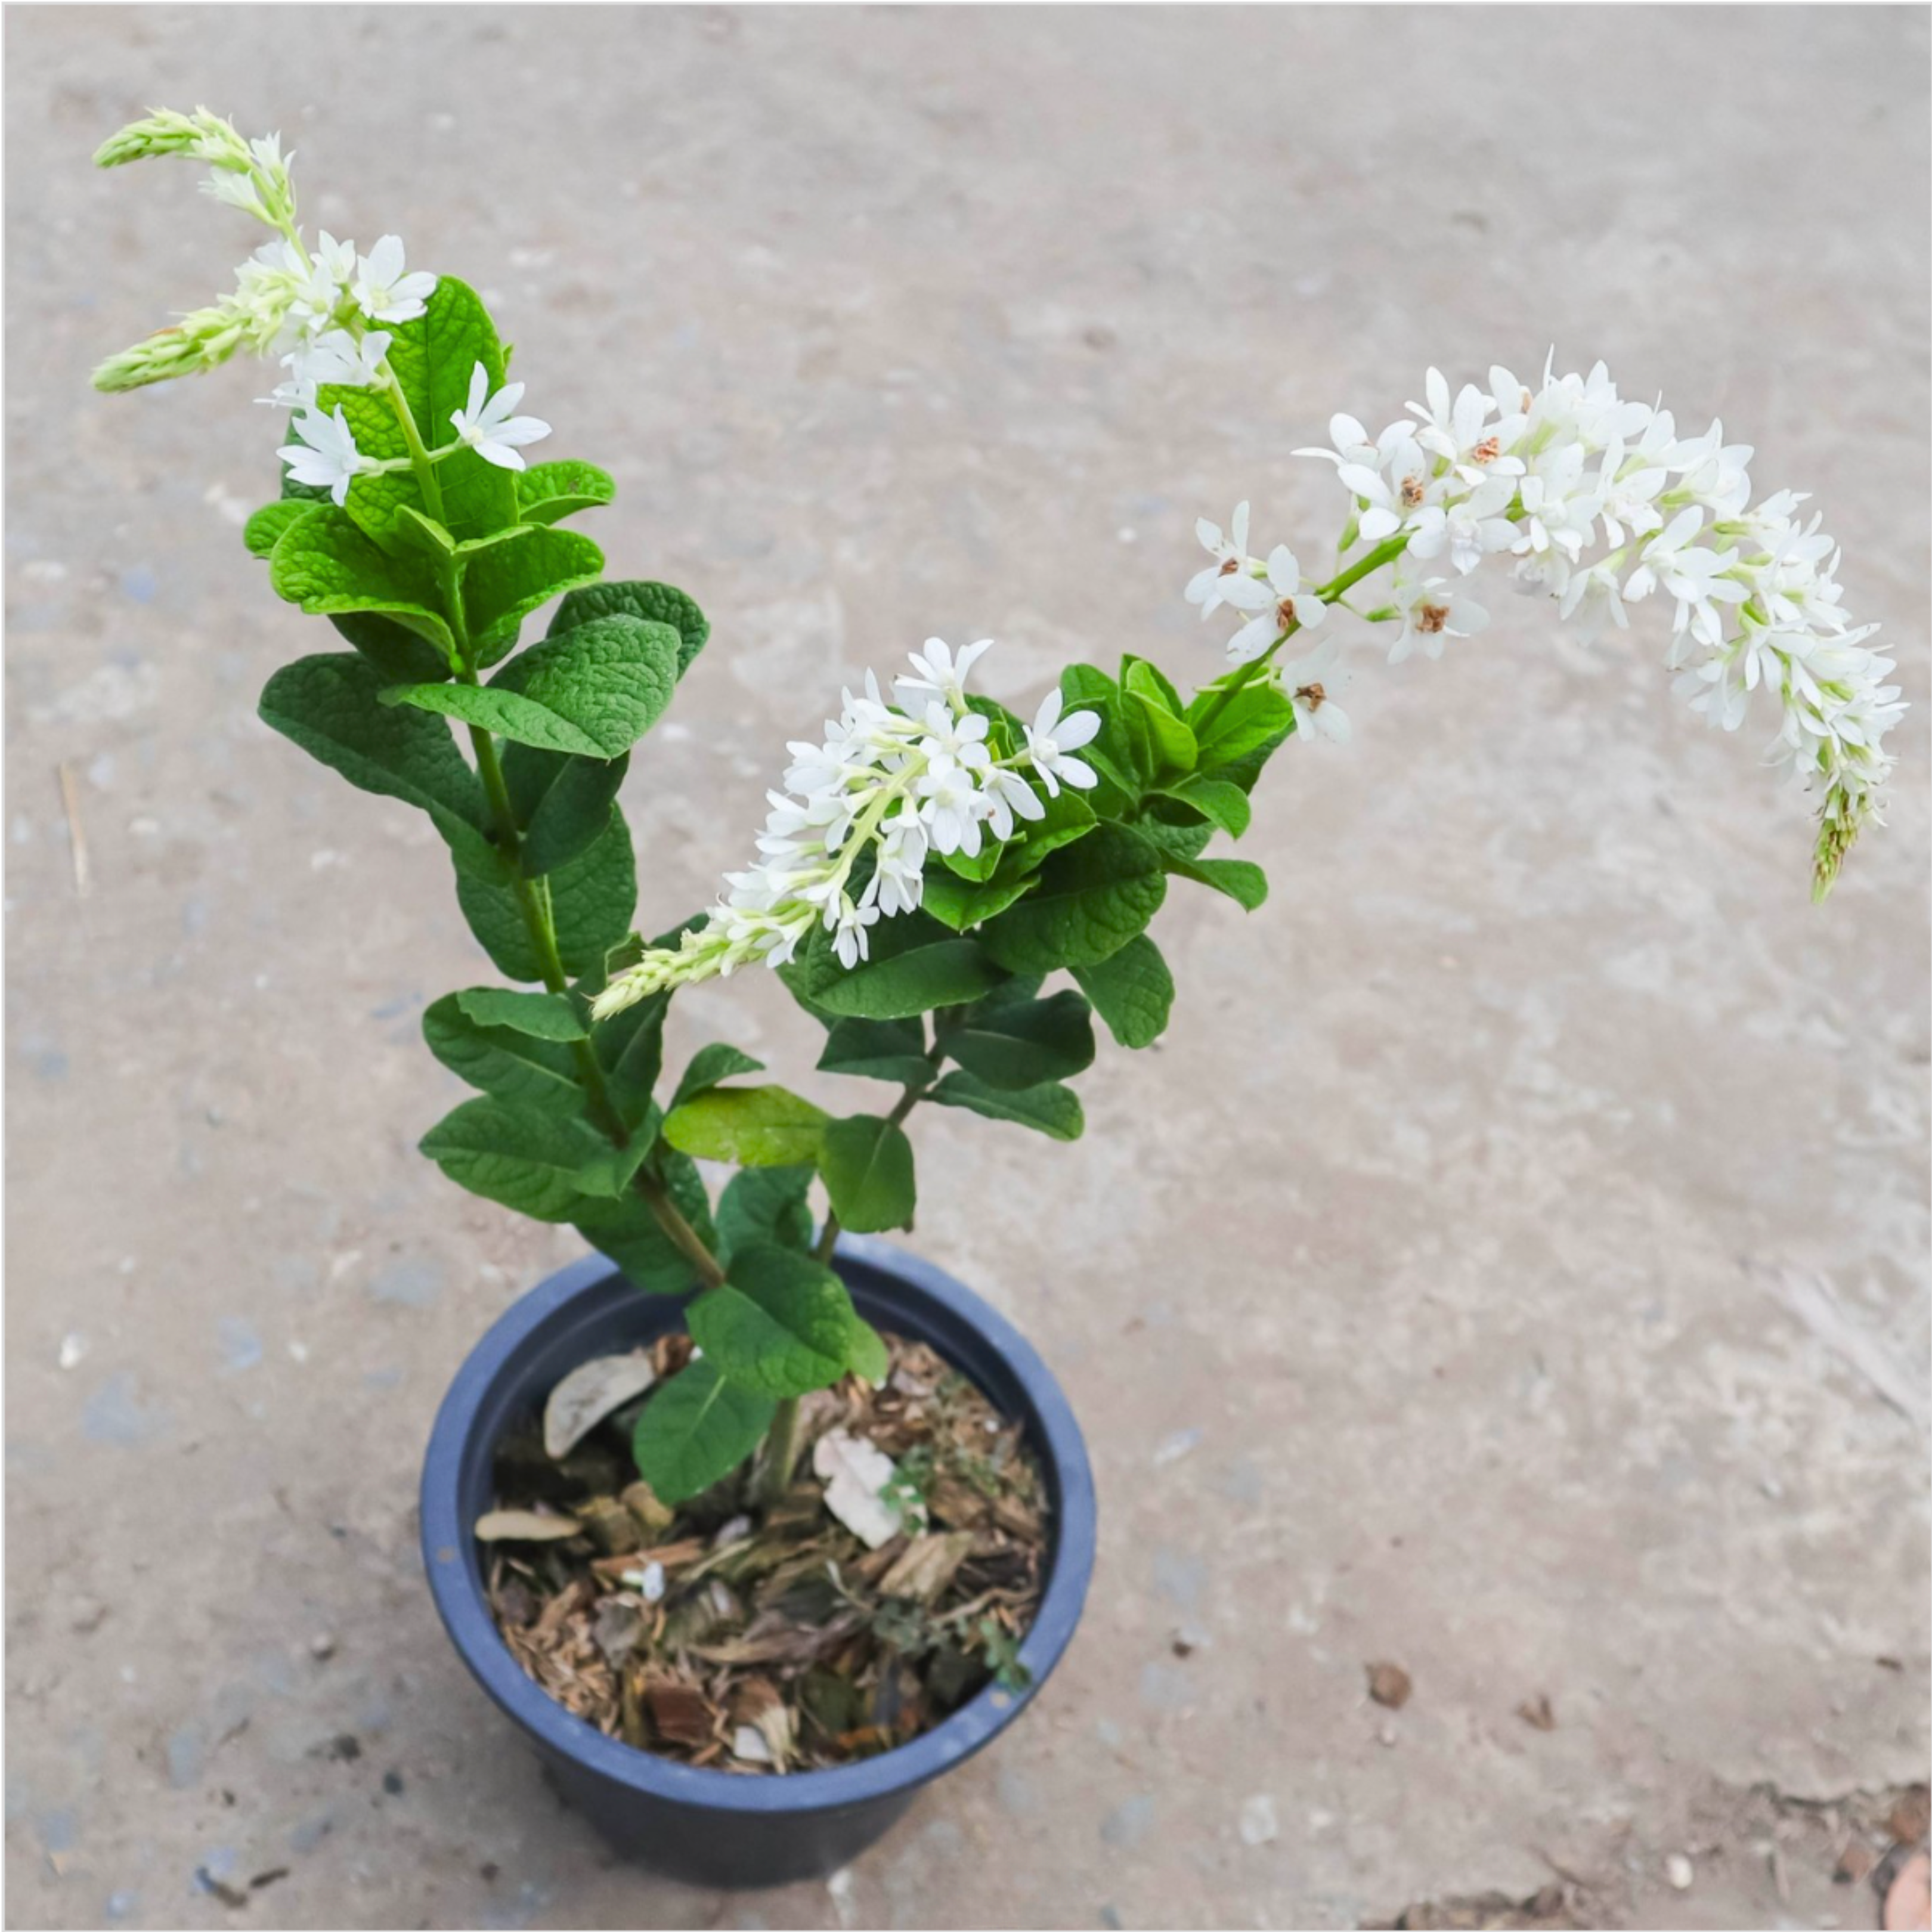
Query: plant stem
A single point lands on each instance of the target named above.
(532, 900)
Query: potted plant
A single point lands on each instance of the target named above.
(752, 1522)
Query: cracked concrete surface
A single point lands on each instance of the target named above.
(1521, 1230)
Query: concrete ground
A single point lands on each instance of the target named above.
(1512, 1265)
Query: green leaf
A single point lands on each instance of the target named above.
(1256, 713)
(432, 357)
(502, 586)
(1069, 817)
(892, 1050)
(547, 491)
(867, 1166)
(1132, 990)
(781, 1325)
(626, 1230)
(1176, 841)
(542, 1016)
(630, 1047)
(398, 654)
(654, 603)
(756, 1126)
(1245, 884)
(1049, 1108)
(765, 1204)
(533, 1161)
(592, 899)
(515, 1066)
(709, 1065)
(263, 530)
(1111, 752)
(1011, 1044)
(328, 705)
(1092, 898)
(1163, 746)
(613, 677)
(330, 568)
(1220, 803)
(916, 965)
(695, 1430)
(561, 803)
(956, 903)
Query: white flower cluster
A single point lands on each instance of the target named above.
(890, 782)
(317, 309)
(1599, 503)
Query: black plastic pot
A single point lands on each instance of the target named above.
(718, 1828)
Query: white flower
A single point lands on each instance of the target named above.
(326, 455)
(488, 426)
(324, 282)
(1433, 609)
(1559, 509)
(1470, 528)
(952, 807)
(959, 737)
(1008, 795)
(1592, 596)
(1229, 579)
(1674, 562)
(1050, 737)
(384, 293)
(942, 675)
(1290, 606)
(340, 357)
(1395, 491)
(1353, 443)
(1460, 431)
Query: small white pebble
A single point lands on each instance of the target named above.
(652, 1583)
(1679, 1871)
(299, 1351)
(1176, 1446)
(321, 1647)
(72, 1348)
(1129, 534)
(747, 1743)
(1259, 1826)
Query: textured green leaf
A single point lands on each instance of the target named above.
(1164, 747)
(328, 705)
(765, 1205)
(547, 491)
(1069, 817)
(961, 905)
(523, 1157)
(630, 1047)
(398, 655)
(1245, 884)
(1093, 898)
(1111, 751)
(695, 1430)
(263, 530)
(781, 1325)
(503, 585)
(916, 965)
(654, 603)
(892, 1050)
(561, 803)
(515, 1066)
(627, 1231)
(756, 1126)
(612, 677)
(542, 1016)
(709, 1065)
(867, 1165)
(1049, 1109)
(1011, 1044)
(1255, 714)
(330, 568)
(504, 713)
(1223, 805)
(1132, 990)
(592, 899)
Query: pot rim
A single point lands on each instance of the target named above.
(455, 1576)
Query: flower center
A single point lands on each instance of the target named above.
(1313, 696)
(1412, 493)
(1488, 450)
(1229, 564)
(1284, 612)
(1431, 618)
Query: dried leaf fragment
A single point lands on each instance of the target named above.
(856, 1473)
(926, 1565)
(1538, 1712)
(589, 1393)
(525, 1526)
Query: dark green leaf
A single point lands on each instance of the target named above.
(533, 1161)
(709, 1065)
(956, 903)
(398, 655)
(547, 491)
(592, 899)
(892, 1050)
(867, 1166)
(654, 603)
(756, 1126)
(916, 965)
(502, 586)
(626, 1230)
(765, 1204)
(696, 1429)
(328, 705)
(1245, 884)
(1132, 990)
(1254, 715)
(1222, 804)
(1011, 1044)
(781, 1325)
(1093, 897)
(329, 567)
(561, 803)
(1049, 1109)
(514, 1066)
(542, 1016)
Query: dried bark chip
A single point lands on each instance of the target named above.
(679, 1713)
(589, 1393)
(525, 1526)
(1911, 1816)
(1538, 1712)
(1389, 1684)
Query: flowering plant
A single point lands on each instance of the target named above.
(935, 858)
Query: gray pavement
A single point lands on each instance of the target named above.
(1513, 1263)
